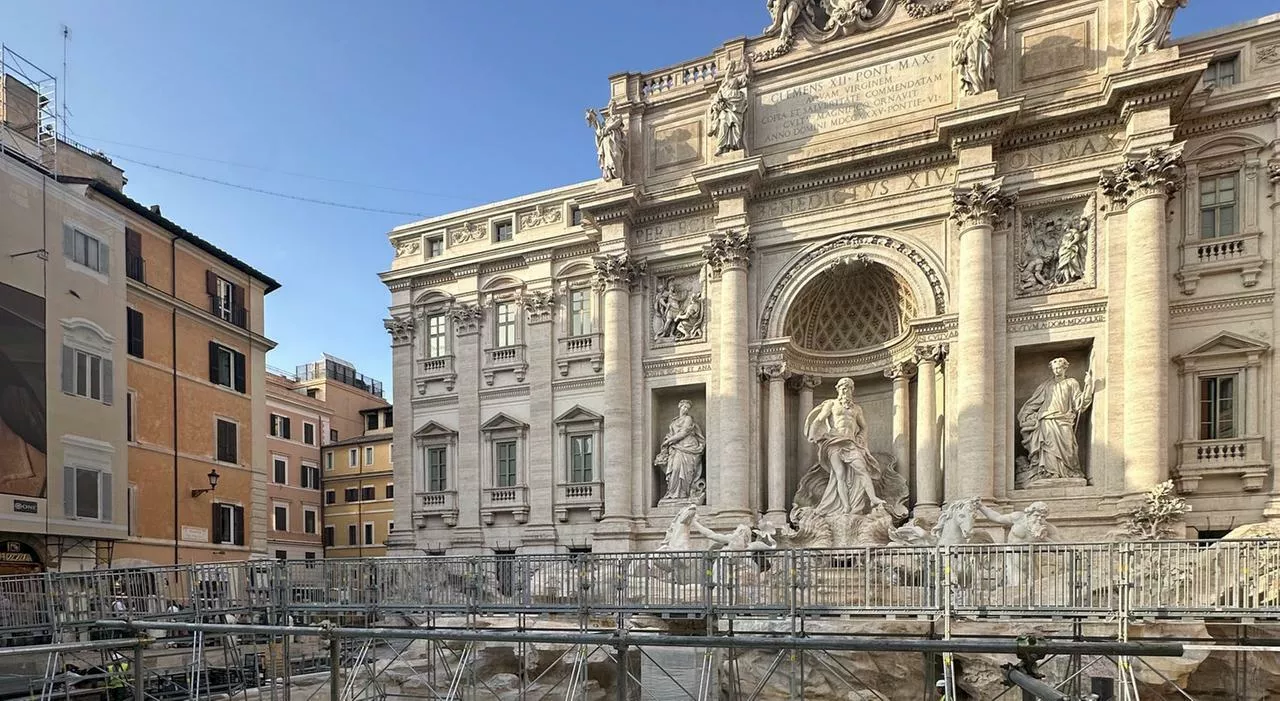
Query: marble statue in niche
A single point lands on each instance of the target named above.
(973, 46)
(680, 457)
(1048, 422)
(728, 111)
(611, 142)
(848, 480)
(1055, 247)
(1149, 26)
(679, 309)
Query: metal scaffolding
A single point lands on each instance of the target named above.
(733, 625)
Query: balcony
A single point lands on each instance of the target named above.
(506, 358)
(588, 496)
(135, 267)
(1232, 254)
(589, 348)
(435, 370)
(235, 315)
(1225, 457)
(443, 505)
(505, 500)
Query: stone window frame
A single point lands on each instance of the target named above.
(88, 454)
(434, 435)
(499, 428)
(495, 222)
(589, 346)
(429, 305)
(1230, 58)
(1240, 253)
(578, 421)
(1225, 353)
(503, 289)
(87, 337)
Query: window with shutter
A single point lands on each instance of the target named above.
(133, 322)
(227, 441)
(351, 535)
(284, 426)
(218, 523)
(238, 525)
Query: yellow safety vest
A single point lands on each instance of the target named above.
(117, 673)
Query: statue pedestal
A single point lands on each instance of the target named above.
(1054, 486)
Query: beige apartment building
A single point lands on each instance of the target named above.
(297, 425)
(359, 489)
(63, 468)
(1033, 242)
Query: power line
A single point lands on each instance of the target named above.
(266, 169)
(260, 191)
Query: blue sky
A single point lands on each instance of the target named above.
(452, 104)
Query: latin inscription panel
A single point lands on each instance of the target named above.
(857, 96)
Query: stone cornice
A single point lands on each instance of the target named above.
(738, 178)
(612, 204)
(1213, 123)
(1039, 134)
(678, 365)
(872, 169)
(979, 124)
(1221, 304)
(1057, 317)
(1154, 84)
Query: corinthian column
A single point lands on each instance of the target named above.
(974, 212)
(901, 374)
(730, 254)
(615, 275)
(928, 474)
(777, 427)
(1143, 187)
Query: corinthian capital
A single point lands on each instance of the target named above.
(1158, 173)
(617, 270)
(400, 328)
(539, 305)
(466, 318)
(901, 370)
(981, 204)
(931, 352)
(728, 250)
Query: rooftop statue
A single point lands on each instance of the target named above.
(1150, 26)
(728, 111)
(973, 46)
(611, 142)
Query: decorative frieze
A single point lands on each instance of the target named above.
(920, 9)
(408, 247)
(467, 233)
(617, 270)
(981, 204)
(1159, 172)
(466, 318)
(541, 216)
(1267, 54)
(679, 365)
(1058, 317)
(1222, 304)
(400, 328)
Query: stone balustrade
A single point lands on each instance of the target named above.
(588, 496)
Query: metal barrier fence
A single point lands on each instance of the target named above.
(1100, 580)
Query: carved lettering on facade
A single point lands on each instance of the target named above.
(1049, 154)
(860, 95)
(675, 228)
(853, 192)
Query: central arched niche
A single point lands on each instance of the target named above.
(850, 306)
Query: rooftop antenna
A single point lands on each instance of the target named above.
(66, 41)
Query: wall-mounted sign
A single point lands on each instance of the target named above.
(22, 506)
(195, 533)
(11, 551)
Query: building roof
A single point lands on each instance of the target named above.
(160, 220)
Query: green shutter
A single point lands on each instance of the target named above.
(69, 492)
(68, 370)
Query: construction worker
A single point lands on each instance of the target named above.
(941, 688)
(118, 681)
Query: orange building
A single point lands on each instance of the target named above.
(297, 423)
(196, 397)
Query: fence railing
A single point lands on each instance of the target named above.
(1102, 580)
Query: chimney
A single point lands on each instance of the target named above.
(156, 209)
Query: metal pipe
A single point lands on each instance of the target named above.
(335, 665)
(968, 645)
(1039, 689)
(139, 676)
(68, 647)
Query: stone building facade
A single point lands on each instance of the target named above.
(933, 198)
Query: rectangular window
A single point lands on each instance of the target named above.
(351, 494)
(309, 434)
(502, 231)
(309, 521)
(435, 246)
(328, 460)
(505, 459)
(388, 420)
(1217, 407)
(131, 503)
(281, 475)
(575, 216)
(310, 475)
(228, 524)
(134, 265)
(1222, 72)
(353, 457)
(579, 312)
(328, 536)
(86, 250)
(282, 555)
(227, 368)
(368, 455)
(437, 338)
(86, 493)
(130, 422)
(133, 330)
(330, 496)
(505, 571)
(391, 528)
(224, 302)
(391, 491)
(352, 534)
(228, 442)
(581, 459)
(1218, 211)
(280, 518)
(333, 435)
(87, 375)
(308, 555)
(368, 534)
(276, 419)
(504, 329)
(368, 493)
(371, 421)
(437, 469)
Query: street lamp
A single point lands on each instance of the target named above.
(213, 484)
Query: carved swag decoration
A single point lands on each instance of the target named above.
(820, 21)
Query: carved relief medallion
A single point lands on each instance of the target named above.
(1054, 249)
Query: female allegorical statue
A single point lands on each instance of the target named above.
(681, 454)
(972, 47)
(1048, 420)
(847, 478)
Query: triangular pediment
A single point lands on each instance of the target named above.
(578, 414)
(431, 429)
(501, 421)
(1225, 343)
